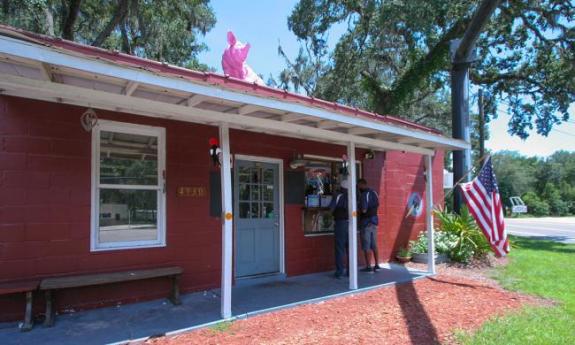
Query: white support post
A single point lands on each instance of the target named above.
(429, 213)
(227, 219)
(352, 209)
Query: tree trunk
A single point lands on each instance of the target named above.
(388, 101)
(5, 7)
(49, 21)
(118, 16)
(68, 26)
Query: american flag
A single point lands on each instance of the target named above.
(482, 198)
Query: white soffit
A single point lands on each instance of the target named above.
(113, 85)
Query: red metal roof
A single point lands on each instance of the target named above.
(220, 80)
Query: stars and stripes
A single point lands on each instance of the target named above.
(482, 198)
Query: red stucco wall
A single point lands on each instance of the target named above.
(45, 204)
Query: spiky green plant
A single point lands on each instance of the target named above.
(470, 240)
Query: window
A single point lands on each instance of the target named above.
(322, 182)
(128, 186)
(256, 192)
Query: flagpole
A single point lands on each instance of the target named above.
(465, 175)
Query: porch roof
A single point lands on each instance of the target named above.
(45, 68)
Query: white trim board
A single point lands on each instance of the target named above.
(51, 55)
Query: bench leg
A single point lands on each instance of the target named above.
(175, 295)
(28, 323)
(49, 321)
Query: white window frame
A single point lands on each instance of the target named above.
(128, 128)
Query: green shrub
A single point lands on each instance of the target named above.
(469, 241)
(535, 205)
(444, 243)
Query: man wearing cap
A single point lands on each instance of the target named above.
(368, 220)
(340, 214)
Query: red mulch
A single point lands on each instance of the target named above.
(426, 311)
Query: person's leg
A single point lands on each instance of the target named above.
(365, 247)
(374, 246)
(340, 235)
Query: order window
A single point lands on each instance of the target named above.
(322, 183)
(128, 186)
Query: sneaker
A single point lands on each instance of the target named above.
(376, 268)
(337, 275)
(368, 269)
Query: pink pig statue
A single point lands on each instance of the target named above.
(234, 61)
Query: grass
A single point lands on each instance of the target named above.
(221, 327)
(545, 269)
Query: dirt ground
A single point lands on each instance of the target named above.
(426, 311)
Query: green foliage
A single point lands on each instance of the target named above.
(545, 269)
(404, 252)
(469, 241)
(393, 58)
(444, 243)
(547, 186)
(535, 205)
(160, 30)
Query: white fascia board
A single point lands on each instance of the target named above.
(33, 88)
(49, 55)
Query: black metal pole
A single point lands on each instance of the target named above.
(460, 127)
(462, 57)
(481, 124)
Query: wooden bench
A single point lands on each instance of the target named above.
(48, 285)
(24, 286)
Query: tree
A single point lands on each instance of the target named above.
(393, 58)
(160, 30)
(515, 174)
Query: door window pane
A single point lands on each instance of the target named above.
(244, 192)
(244, 210)
(128, 215)
(267, 210)
(255, 192)
(255, 210)
(128, 159)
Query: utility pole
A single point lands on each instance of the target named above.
(481, 124)
(462, 55)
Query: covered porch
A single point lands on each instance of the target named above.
(131, 322)
(42, 68)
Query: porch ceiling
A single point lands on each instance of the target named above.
(32, 70)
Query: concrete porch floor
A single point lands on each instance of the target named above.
(139, 320)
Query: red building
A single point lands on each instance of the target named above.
(105, 166)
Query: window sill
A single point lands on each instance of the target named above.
(126, 247)
(318, 234)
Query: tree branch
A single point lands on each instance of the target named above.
(118, 16)
(388, 101)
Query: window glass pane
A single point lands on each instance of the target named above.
(268, 193)
(267, 210)
(128, 159)
(244, 209)
(244, 192)
(269, 176)
(256, 175)
(255, 210)
(128, 215)
(255, 192)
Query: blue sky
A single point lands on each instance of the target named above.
(263, 23)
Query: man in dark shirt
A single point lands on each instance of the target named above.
(368, 221)
(340, 214)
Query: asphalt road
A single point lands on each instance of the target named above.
(556, 229)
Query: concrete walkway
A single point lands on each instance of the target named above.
(140, 320)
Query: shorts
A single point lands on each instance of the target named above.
(368, 237)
